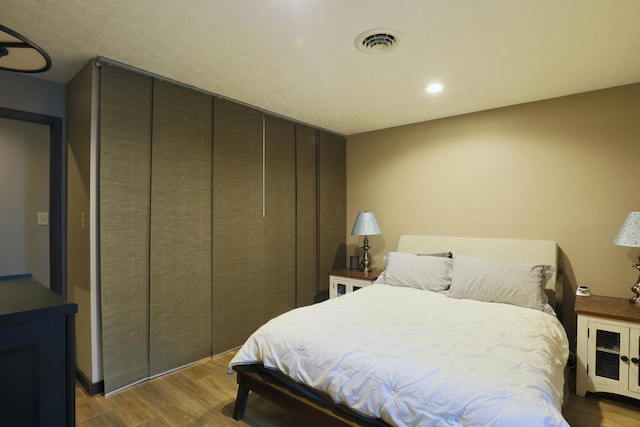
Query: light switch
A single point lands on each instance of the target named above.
(43, 218)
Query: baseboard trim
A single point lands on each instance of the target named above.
(91, 388)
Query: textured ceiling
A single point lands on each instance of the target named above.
(297, 58)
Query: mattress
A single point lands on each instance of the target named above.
(413, 357)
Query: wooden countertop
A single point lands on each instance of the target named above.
(607, 307)
(357, 274)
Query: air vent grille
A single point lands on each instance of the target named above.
(378, 40)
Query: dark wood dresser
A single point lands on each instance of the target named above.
(37, 356)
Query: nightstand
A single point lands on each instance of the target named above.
(608, 349)
(344, 281)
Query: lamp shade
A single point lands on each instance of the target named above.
(629, 234)
(366, 225)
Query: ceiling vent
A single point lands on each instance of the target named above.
(379, 40)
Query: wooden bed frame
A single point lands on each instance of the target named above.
(252, 378)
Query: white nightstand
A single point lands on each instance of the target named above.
(608, 350)
(344, 281)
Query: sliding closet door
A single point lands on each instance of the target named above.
(332, 180)
(279, 237)
(306, 216)
(180, 266)
(125, 143)
(237, 223)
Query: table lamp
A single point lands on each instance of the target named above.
(629, 235)
(365, 225)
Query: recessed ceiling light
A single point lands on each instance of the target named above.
(434, 88)
(378, 40)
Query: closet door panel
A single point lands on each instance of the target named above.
(332, 213)
(237, 223)
(306, 216)
(180, 270)
(124, 145)
(279, 226)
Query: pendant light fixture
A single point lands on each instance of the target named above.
(19, 54)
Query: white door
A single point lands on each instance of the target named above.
(634, 360)
(608, 346)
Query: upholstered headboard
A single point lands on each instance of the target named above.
(536, 251)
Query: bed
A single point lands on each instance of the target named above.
(456, 332)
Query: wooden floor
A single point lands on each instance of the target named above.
(204, 395)
(601, 409)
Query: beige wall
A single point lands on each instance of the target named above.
(23, 92)
(564, 169)
(80, 131)
(24, 192)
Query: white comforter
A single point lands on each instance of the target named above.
(418, 358)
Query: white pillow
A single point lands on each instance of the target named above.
(498, 280)
(421, 272)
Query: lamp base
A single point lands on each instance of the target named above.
(366, 261)
(636, 287)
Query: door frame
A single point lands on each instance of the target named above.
(57, 195)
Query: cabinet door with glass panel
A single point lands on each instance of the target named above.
(344, 281)
(613, 358)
